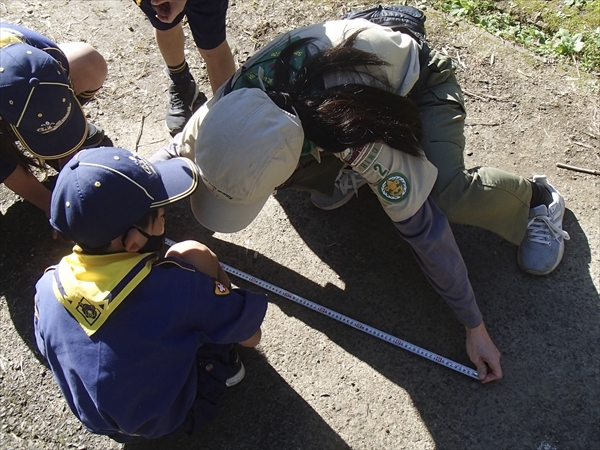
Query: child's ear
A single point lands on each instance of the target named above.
(130, 241)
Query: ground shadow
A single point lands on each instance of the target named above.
(27, 249)
(546, 327)
(262, 412)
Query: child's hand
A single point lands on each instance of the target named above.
(167, 10)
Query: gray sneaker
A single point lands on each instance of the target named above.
(543, 245)
(184, 100)
(347, 184)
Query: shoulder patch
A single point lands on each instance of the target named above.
(394, 188)
(221, 289)
(89, 312)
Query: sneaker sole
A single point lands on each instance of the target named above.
(237, 377)
(561, 251)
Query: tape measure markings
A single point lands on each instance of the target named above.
(349, 321)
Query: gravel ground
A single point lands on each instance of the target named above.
(313, 382)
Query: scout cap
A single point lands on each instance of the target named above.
(245, 148)
(38, 101)
(103, 191)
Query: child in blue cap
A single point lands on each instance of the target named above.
(141, 346)
(42, 88)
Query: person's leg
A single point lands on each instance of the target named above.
(171, 44)
(483, 196)
(87, 72)
(183, 91)
(219, 64)
(526, 213)
(206, 19)
(87, 67)
(184, 96)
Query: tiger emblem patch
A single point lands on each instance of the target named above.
(394, 188)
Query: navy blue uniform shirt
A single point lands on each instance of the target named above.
(137, 375)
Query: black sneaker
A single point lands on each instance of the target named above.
(185, 99)
(94, 138)
(238, 371)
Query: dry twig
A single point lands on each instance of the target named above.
(139, 136)
(486, 97)
(578, 169)
(581, 144)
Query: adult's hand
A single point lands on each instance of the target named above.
(167, 10)
(484, 354)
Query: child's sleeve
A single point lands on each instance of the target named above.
(225, 315)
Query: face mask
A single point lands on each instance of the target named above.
(153, 244)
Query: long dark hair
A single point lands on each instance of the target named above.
(348, 115)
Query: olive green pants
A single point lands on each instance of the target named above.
(485, 197)
(482, 196)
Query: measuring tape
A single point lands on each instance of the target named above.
(349, 321)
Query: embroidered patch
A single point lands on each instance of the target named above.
(88, 311)
(221, 289)
(48, 127)
(394, 187)
(143, 163)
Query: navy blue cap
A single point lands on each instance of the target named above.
(103, 191)
(38, 101)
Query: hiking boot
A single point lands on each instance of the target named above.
(94, 138)
(238, 371)
(347, 184)
(185, 99)
(543, 245)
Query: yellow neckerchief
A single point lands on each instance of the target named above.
(91, 287)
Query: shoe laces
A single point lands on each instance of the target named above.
(541, 230)
(177, 98)
(176, 101)
(346, 181)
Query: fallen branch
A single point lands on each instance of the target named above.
(583, 145)
(578, 169)
(471, 94)
(486, 124)
(486, 97)
(139, 136)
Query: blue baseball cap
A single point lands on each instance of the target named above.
(38, 101)
(103, 191)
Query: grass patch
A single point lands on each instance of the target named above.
(563, 29)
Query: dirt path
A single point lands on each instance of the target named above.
(315, 383)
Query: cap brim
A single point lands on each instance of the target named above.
(220, 216)
(180, 178)
(60, 143)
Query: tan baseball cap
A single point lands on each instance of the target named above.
(246, 147)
